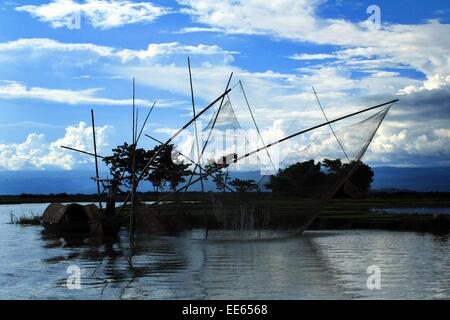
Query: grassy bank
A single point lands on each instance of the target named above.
(375, 199)
(336, 214)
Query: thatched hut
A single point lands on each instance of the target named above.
(73, 218)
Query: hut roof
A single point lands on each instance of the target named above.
(56, 212)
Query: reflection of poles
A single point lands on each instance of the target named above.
(271, 145)
(96, 160)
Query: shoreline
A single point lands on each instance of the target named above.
(338, 214)
(383, 198)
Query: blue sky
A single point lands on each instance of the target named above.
(51, 75)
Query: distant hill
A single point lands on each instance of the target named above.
(414, 179)
(46, 182)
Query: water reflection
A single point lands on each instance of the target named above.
(318, 265)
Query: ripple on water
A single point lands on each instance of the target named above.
(318, 265)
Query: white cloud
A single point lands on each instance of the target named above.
(173, 48)
(316, 56)
(280, 17)
(423, 47)
(103, 14)
(274, 96)
(198, 29)
(394, 144)
(37, 153)
(44, 44)
(435, 82)
(16, 90)
(74, 59)
(153, 50)
(384, 74)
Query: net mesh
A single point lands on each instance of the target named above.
(311, 167)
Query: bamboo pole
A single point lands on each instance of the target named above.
(256, 126)
(96, 159)
(212, 127)
(141, 176)
(186, 157)
(271, 145)
(133, 167)
(341, 182)
(145, 122)
(198, 147)
(81, 151)
(331, 127)
(195, 122)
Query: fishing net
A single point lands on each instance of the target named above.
(303, 169)
(312, 168)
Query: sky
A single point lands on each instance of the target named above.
(59, 59)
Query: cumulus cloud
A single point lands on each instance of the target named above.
(38, 153)
(413, 145)
(103, 14)
(382, 60)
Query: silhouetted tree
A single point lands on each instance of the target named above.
(297, 179)
(332, 166)
(121, 162)
(166, 170)
(220, 177)
(161, 171)
(244, 185)
(362, 178)
(310, 179)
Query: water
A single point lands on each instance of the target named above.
(412, 210)
(318, 265)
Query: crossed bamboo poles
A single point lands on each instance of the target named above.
(220, 167)
(206, 173)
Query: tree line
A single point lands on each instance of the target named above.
(301, 179)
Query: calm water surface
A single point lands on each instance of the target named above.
(318, 265)
(412, 210)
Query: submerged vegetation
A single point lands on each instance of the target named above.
(33, 219)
